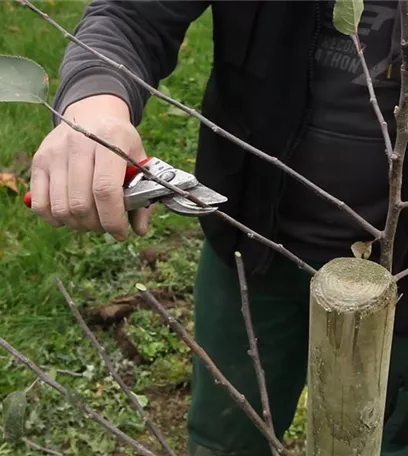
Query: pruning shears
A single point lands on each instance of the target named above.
(139, 191)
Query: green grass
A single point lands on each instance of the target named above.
(34, 317)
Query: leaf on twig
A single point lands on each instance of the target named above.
(14, 407)
(347, 15)
(362, 249)
(22, 79)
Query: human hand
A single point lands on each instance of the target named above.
(78, 183)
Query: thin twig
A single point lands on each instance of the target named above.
(64, 371)
(373, 99)
(398, 156)
(214, 127)
(102, 352)
(401, 275)
(45, 367)
(36, 447)
(219, 378)
(248, 231)
(253, 348)
(32, 385)
(87, 411)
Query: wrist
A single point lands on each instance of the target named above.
(106, 105)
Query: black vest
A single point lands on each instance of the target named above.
(258, 90)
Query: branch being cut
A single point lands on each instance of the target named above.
(248, 231)
(215, 128)
(219, 378)
(253, 348)
(87, 411)
(102, 352)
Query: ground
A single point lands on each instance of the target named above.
(101, 274)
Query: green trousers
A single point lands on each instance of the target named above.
(279, 307)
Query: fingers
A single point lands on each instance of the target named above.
(58, 184)
(107, 189)
(78, 183)
(139, 220)
(40, 194)
(81, 162)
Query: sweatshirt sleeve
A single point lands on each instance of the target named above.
(143, 35)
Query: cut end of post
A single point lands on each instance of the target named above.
(140, 287)
(238, 254)
(352, 284)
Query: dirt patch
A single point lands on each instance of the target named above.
(123, 306)
(168, 410)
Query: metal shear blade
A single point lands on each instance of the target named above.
(184, 206)
(142, 192)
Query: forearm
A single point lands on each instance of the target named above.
(143, 36)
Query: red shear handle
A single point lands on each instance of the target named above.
(130, 174)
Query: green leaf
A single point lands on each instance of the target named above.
(22, 80)
(14, 407)
(347, 15)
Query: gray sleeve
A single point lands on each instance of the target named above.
(143, 35)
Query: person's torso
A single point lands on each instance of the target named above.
(343, 150)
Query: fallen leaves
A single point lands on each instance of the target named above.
(11, 181)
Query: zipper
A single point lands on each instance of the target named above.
(268, 256)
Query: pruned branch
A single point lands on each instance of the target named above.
(218, 376)
(87, 411)
(248, 231)
(36, 447)
(102, 352)
(253, 348)
(214, 127)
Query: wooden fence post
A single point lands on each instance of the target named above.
(352, 308)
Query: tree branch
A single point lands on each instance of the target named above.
(253, 348)
(87, 411)
(397, 158)
(36, 447)
(401, 275)
(102, 352)
(248, 231)
(373, 99)
(215, 128)
(219, 378)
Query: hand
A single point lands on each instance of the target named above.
(78, 183)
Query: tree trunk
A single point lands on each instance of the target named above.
(352, 308)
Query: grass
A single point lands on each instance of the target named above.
(34, 317)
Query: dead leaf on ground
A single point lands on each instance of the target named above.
(125, 344)
(150, 256)
(123, 306)
(11, 181)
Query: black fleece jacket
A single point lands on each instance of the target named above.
(259, 90)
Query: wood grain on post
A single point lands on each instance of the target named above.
(352, 308)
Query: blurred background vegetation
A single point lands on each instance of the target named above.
(99, 272)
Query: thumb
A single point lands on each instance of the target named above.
(139, 220)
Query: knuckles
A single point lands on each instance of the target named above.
(104, 190)
(60, 211)
(80, 207)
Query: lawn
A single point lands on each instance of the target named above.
(97, 270)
